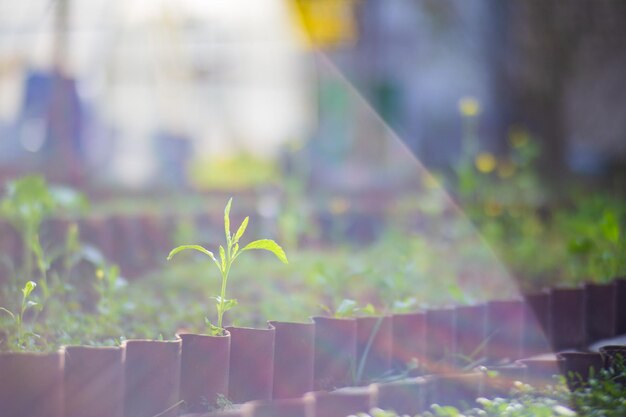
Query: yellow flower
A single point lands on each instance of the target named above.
(469, 106)
(485, 162)
(99, 273)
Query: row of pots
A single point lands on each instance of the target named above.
(411, 396)
(139, 243)
(287, 360)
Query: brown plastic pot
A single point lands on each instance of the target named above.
(374, 346)
(31, 384)
(94, 381)
(340, 403)
(204, 369)
(568, 318)
(505, 320)
(293, 407)
(294, 353)
(440, 341)
(601, 311)
(152, 373)
(251, 364)
(578, 366)
(471, 333)
(403, 397)
(537, 324)
(409, 339)
(335, 352)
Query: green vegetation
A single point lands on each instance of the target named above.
(227, 258)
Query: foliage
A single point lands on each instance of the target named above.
(20, 339)
(27, 202)
(227, 258)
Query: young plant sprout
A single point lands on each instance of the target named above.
(227, 258)
(18, 318)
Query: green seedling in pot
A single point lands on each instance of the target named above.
(18, 318)
(227, 256)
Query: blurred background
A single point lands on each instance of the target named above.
(144, 94)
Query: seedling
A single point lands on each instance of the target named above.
(18, 318)
(227, 257)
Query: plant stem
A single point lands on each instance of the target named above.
(220, 312)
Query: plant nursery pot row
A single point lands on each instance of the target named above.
(284, 361)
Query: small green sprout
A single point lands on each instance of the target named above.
(227, 256)
(18, 318)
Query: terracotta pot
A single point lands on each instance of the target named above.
(374, 346)
(620, 289)
(601, 311)
(499, 380)
(578, 366)
(457, 390)
(403, 397)
(152, 374)
(204, 369)
(409, 339)
(568, 318)
(94, 381)
(31, 384)
(471, 333)
(440, 340)
(251, 364)
(294, 353)
(340, 403)
(335, 352)
(505, 321)
(537, 324)
(294, 407)
(540, 371)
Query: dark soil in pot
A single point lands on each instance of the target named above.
(404, 397)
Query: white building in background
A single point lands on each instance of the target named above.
(226, 75)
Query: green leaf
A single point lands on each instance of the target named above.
(241, 230)
(268, 245)
(213, 329)
(193, 247)
(8, 312)
(346, 308)
(227, 220)
(28, 288)
(610, 226)
(223, 256)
